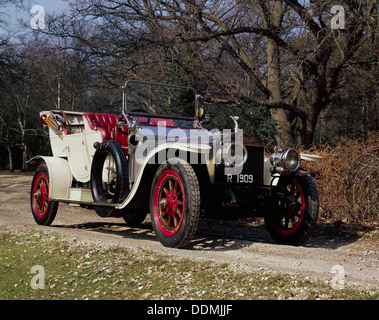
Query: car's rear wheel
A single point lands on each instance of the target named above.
(134, 219)
(44, 210)
(292, 221)
(175, 203)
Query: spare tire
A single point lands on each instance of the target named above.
(109, 177)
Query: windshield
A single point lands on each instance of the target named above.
(159, 99)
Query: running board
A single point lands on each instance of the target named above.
(88, 203)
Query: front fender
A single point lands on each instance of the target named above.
(186, 148)
(270, 179)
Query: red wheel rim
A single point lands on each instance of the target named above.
(169, 203)
(40, 195)
(291, 220)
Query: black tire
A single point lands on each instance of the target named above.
(116, 189)
(293, 225)
(44, 210)
(134, 219)
(175, 203)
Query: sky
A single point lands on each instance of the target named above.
(51, 5)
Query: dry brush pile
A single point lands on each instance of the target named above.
(347, 180)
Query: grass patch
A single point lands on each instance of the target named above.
(75, 270)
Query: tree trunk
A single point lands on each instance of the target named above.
(10, 157)
(309, 126)
(283, 127)
(24, 146)
(284, 131)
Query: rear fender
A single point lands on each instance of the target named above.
(60, 177)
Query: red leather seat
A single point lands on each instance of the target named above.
(66, 131)
(162, 122)
(106, 125)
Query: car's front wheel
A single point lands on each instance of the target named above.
(175, 203)
(292, 220)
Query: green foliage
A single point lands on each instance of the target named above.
(259, 122)
(254, 119)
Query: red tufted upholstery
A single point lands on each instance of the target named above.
(163, 122)
(106, 125)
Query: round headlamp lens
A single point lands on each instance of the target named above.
(292, 160)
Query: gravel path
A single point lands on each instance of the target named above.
(243, 244)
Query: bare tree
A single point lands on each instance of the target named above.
(305, 56)
(34, 75)
(283, 54)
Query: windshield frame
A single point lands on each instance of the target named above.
(125, 111)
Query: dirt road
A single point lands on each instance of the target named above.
(242, 244)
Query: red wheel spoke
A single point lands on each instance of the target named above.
(41, 195)
(292, 215)
(176, 185)
(170, 202)
(167, 221)
(176, 221)
(164, 213)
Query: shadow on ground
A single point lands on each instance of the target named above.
(224, 235)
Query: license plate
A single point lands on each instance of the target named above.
(240, 178)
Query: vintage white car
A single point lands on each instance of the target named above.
(157, 158)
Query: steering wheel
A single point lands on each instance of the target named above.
(122, 118)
